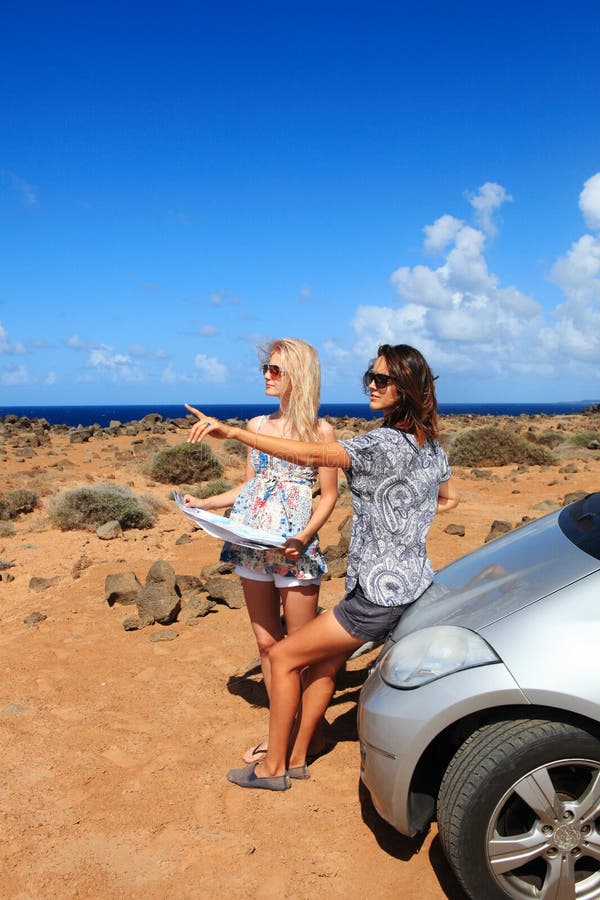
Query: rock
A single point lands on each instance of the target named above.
(345, 531)
(123, 588)
(7, 576)
(336, 568)
(134, 624)
(110, 530)
(80, 565)
(184, 539)
(594, 445)
(496, 529)
(187, 583)
(196, 608)
(164, 635)
(573, 496)
(80, 436)
(225, 589)
(34, 617)
(547, 505)
(42, 584)
(570, 469)
(159, 600)
(458, 530)
(481, 474)
(220, 568)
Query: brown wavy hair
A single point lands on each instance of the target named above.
(416, 409)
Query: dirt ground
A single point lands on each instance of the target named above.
(113, 748)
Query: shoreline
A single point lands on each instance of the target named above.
(102, 415)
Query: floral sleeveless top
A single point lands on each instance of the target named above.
(278, 499)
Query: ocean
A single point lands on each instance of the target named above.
(103, 415)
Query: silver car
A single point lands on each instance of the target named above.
(483, 712)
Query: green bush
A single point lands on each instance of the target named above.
(89, 507)
(547, 439)
(17, 501)
(184, 463)
(234, 448)
(211, 488)
(583, 438)
(492, 446)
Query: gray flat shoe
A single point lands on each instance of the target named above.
(246, 778)
(300, 772)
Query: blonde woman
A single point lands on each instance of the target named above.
(277, 496)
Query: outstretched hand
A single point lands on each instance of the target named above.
(206, 425)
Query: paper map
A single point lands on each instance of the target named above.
(225, 530)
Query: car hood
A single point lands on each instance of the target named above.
(499, 579)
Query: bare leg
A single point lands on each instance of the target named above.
(321, 640)
(317, 691)
(262, 603)
(299, 607)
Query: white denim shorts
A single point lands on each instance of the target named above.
(280, 581)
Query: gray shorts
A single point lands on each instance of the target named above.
(364, 620)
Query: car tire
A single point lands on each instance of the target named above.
(519, 810)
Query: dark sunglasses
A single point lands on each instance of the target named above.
(380, 380)
(274, 371)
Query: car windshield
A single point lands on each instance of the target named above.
(580, 522)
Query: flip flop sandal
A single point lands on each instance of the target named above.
(255, 755)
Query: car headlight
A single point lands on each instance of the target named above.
(432, 653)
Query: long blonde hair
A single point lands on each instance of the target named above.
(301, 368)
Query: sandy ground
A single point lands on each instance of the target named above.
(113, 749)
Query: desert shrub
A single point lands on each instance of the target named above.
(233, 448)
(6, 529)
(184, 463)
(17, 501)
(212, 487)
(22, 500)
(546, 439)
(89, 507)
(5, 563)
(583, 438)
(492, 446)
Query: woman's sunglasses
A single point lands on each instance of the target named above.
(274, 371)
(380, 380)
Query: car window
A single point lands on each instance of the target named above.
(580, 522)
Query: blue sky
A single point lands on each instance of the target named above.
(180, 182)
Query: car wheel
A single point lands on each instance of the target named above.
(519, 812)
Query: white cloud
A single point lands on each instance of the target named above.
(577, 273)
(334, 351)
(8, 347)
(486, 201)
(114, 366)
(170, 376)
(589, 202)
(20, 186)
(75, 343)
(439, 235)
(143, 353)
(461, 315)
(208, 330)
(12, 375)
(210, 367)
